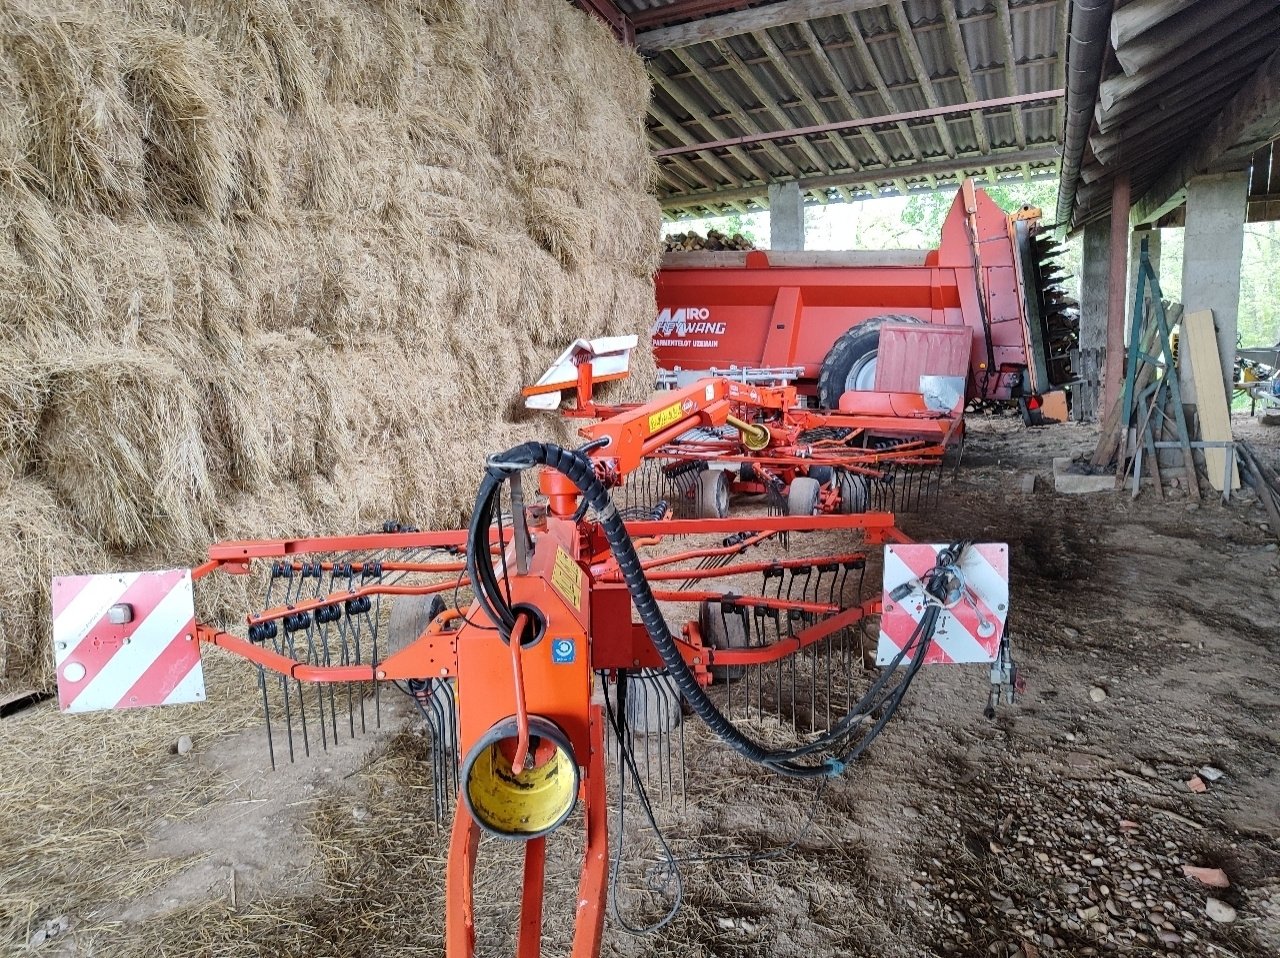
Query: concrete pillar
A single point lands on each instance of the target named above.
(786, 216)
(1095, 268)
(1214, 245)
(1152, 236)
(1117, 273)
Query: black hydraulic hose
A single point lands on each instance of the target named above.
(578, 469)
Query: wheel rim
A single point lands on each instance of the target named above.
(862, 375)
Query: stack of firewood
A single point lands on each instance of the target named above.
(714, 240)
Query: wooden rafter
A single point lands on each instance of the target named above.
(678, 130)
(810, 104)
(945, 166)
(961, 56)
(869, 69)
(716, 129)
(828, 71)
(744, 74)
(907, 38)
(746, 21)
(1004, 20)
(716, 91)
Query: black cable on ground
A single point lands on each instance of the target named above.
(622, 735)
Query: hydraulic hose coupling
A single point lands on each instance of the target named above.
(529, 803)
(754, 436)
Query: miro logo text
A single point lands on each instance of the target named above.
(686, 321)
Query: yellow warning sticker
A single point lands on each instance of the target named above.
(664, 417)
(567, 578)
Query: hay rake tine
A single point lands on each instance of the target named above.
(283, 644)
(439, 725)
(348, 572)
(266, 714)
(662, 744)
(313, 658)
(302, 703)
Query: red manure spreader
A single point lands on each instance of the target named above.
(836, 322)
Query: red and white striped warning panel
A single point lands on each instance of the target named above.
(126, 640)
(972, 623)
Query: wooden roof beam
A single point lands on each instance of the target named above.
(746, 21)
(718, 92)
(1249, 121)
(1046, 153)
(828, 71)
(679, 132)
(908, 40)
(1004, 23)
(961, 56)
(810, 104)
(711, 126)
(867, 63)
(743, 73)
(841, 125)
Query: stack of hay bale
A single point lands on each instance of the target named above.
(714, 240)
(279, 267)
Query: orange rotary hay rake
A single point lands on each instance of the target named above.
(585, 608)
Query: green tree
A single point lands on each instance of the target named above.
(926, 211)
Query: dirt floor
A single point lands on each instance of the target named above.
(1145, 633)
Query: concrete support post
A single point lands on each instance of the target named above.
(786, 216)
(1117, 274)
(1214, 244)
(1152, 236)
(1094, 268)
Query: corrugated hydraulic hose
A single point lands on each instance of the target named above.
(578, 469)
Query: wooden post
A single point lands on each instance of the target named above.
(1113, 377)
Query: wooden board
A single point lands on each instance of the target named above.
(1211, 397)
(1054, 406)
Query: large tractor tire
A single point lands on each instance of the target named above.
(851, 363)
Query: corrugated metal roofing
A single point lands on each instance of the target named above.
(852, 66)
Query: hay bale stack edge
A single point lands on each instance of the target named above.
(272, 267)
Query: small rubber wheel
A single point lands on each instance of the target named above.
(713, 494)
(851, 362)
(855, 492)
(410, 616)
(721, 631)
(802, 496)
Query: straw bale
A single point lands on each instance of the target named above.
(84, 133)
(275, 267)
(41, 540)
(122, 447)
(188, 157)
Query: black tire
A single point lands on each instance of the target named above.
(802, 496)
(824, 474)
(855, 492)
(721, 631)
(713, 493)
(850, 355)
